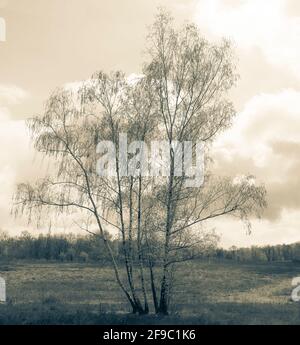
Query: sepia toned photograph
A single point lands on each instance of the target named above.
(149, 164)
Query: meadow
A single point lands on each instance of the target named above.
(41, 292)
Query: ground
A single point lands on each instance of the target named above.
(204, 293)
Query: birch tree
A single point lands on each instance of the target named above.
(181, 96)
(192, 78)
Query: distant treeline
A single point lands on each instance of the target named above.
(90, 248)
(53, 247)
(282, 252)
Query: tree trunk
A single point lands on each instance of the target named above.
(139, 245)
(164, 291)
(164, 296)
(153, 287)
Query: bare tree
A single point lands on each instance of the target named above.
(182, 97)
(192, 79)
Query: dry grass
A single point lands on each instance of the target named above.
(218, 293)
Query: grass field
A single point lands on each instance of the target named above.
(204, 293)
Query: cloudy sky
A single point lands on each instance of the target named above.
(51, 42)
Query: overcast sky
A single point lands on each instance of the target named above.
(51, 42)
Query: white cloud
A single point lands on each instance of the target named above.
(74, 86)
(265, 137)
(265, 119)
(10, 94)
(15, 160)
(7, 178)
(15, 152)
(4, 114)
(264, 232)
(265, 141)
(255, 23)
